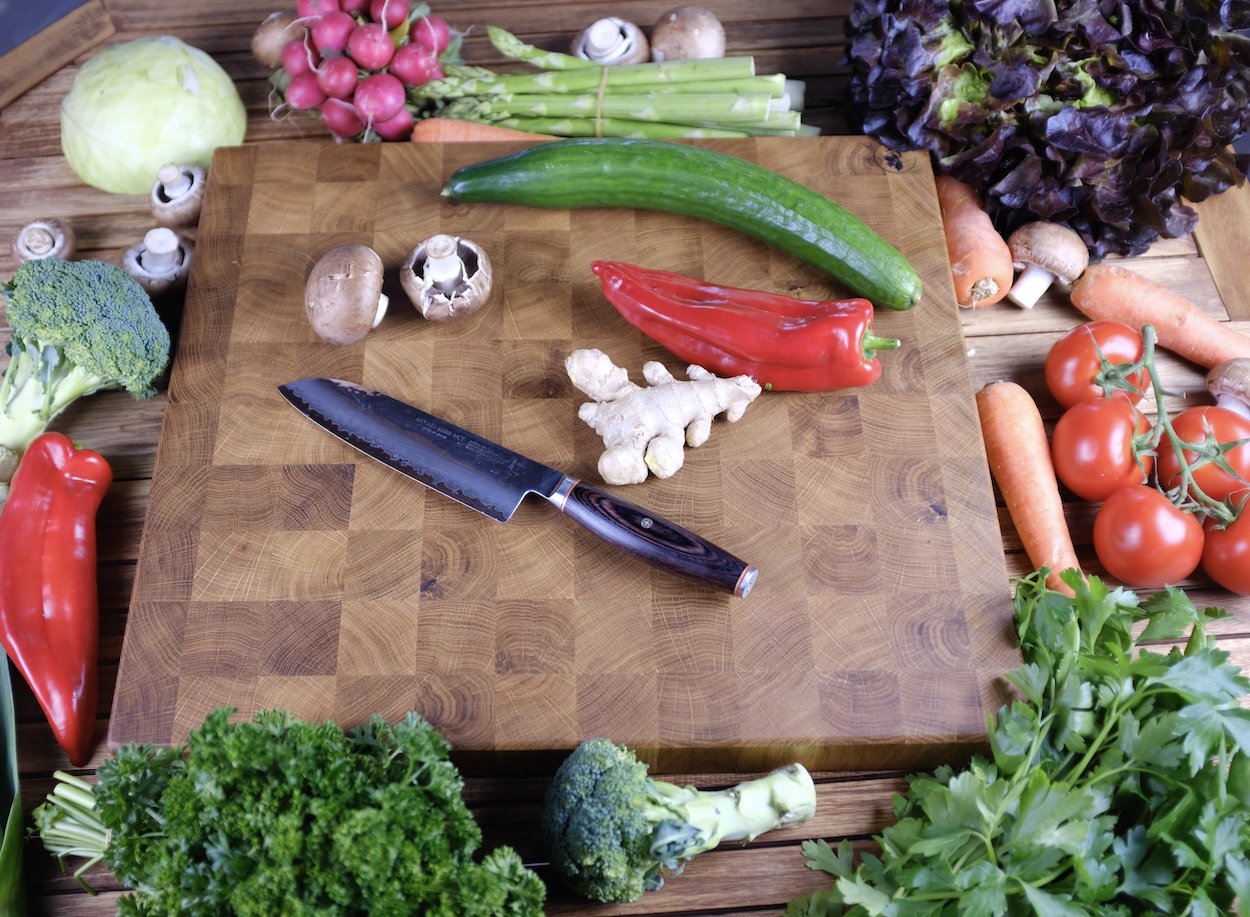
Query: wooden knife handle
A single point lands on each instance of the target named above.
(652, 538)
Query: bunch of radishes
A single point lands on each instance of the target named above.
(354, 61)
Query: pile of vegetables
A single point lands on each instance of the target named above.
(1096, 114)
(1119, 783)
(277, 815)
(372, 70)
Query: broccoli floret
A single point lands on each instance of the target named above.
(612, 832)
(78, 327)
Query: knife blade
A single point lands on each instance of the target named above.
(493, 480)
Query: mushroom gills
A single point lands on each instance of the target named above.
(447, 277)
(611, 40)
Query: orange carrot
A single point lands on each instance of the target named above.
(1114, 292)
(1019, 459)
(456, 129)
(980, 260)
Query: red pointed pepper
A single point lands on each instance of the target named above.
(49, 601)
(785, 344)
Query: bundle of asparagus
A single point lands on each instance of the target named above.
(573, 97)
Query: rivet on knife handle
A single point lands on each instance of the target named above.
(652, 538)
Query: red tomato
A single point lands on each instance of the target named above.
(1226, 557)
(1092, 448)
(1144, 541)
(1195, 425)
(1073, 361)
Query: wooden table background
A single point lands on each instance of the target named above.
(803, 39)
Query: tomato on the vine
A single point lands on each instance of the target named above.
(1196, 425)
(1092, 447)
(1073, 361)
(1226, 556)
(1144, 540)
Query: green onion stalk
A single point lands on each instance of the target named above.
(570, 96)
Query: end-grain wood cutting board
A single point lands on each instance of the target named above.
(279, 568)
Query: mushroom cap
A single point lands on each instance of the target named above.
(178, 210)
(1050, 246)
(344, 292)
(440, 305)
(610, 41)
(1232, 377)
(161, 262)
(47, 237)
(687, 32)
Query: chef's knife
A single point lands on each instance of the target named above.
(493, 480)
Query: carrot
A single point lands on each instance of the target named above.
(1019, 459)
(447, 130)
(1113, 292)
(980, 259)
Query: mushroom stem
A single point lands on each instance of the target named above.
(443, 267)
(1030, 285)
(46, 238)
(604, 39)
(161, 253)
(383, 302)
(174, 182)
(1233, 403)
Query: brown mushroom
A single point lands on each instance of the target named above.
(272, 35)
(161, 262)
(446, 277)
(1229, 384)
(611, 40)
(343, 296)
(1044, 253)
(44, 238)
(178, 195)
(687, 32)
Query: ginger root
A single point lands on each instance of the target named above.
(643, 426)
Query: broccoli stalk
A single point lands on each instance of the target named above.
(612, 832)
(78, 327)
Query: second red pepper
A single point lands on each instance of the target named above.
(785, 344)
(49, 602)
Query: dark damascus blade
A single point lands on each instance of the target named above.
(462, 465)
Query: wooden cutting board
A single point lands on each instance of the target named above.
(279, 568)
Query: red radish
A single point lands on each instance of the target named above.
(341, 118)
(432, 32)
(338, 77)
(330, 32)
(396, 128)
(354, 6)
(416, 65)
(303, 92)
(391, 13)
(379, 97)
(309, 8)
(370, 46)
(297, 57)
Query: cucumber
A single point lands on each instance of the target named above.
(698, 182)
